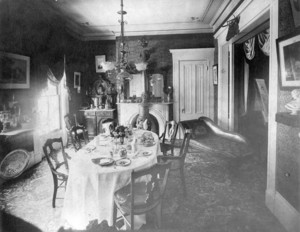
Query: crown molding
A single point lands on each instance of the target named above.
(110, 32)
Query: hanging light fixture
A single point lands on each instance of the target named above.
(123, 74)
(122, 63)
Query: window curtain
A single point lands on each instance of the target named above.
(52, 78)
(64, 96)
(64, 104)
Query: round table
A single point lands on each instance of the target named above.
(90, 189)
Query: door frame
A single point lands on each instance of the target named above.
(185, 55)
(252, 14)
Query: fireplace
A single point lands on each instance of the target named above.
(159, 114)
(152, 122)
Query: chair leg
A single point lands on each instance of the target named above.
(85, 137)
(73, 141)
(158, 214)
(114, 215)
(68, 138)
(132, 221)
(79, 143)
(183, 181)
(55, 190)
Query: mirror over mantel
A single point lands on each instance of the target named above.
(143, 83)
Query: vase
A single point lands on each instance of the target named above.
(169, 97)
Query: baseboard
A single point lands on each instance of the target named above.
(287, 215)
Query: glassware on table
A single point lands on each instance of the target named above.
(115, 146)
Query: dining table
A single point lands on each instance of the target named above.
(98, 170)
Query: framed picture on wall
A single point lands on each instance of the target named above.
(77, 79)
(99, 60)
(215, 74)
(288, 50)
(14, 71)
(295, 5)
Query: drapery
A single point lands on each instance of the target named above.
(264, 41)
(249, 48)
(63, 95)
(64, 103)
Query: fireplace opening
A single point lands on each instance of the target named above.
(152, 123)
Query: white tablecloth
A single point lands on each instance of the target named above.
(90, 188)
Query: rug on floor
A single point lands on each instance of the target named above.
(220, 197)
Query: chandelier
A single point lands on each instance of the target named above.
(123, 74)
(122, 63)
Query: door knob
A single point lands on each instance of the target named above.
(183, 110)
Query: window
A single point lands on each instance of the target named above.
(49, 109)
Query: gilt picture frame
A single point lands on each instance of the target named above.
(288, 50)
(14, 71)
(98, 62)
(77, 79)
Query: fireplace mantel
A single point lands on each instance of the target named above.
(150, 103)
(160, 110)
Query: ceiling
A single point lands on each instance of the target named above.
(98, 19)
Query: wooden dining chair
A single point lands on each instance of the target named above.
(143, 194)
(168, 138)
(57, 160)
(178, 160)
(76, 132)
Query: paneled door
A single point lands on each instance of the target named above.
(193, 85)
(194, 89)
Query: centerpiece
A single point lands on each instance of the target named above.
(121, 132)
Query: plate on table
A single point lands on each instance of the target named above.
(103, 161)
(146, 153)
(123, 162)
(148, 144)
(96, 160)
(106, 161)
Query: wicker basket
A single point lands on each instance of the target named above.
(14, 164)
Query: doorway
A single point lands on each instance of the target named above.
(192, 82)
(251, 85)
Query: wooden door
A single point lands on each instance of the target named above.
(194, 89)
(193, 84)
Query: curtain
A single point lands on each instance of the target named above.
(64, 101)
(246, 85)
(249, 48)
(264, 41)
(52, 78)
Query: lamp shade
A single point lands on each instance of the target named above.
(141, 66)
(124, 75)
(108, 66)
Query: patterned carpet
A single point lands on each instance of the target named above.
(220, 197)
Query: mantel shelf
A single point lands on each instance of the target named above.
(288, 119)
(150, 103)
